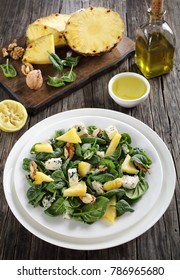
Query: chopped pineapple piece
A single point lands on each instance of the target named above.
(37, 52)
(110, 214)
(40, 177)
(78, 189)
(113, 144)
(84, 168)
(94, 30)
(52, 24)
(43, 148)
(128, 166)
(114, 184)
(70, 136)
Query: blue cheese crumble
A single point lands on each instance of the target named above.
(53, 163)
(130, 182)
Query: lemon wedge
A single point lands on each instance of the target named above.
(13, 115)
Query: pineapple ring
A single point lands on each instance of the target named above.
(94, 30)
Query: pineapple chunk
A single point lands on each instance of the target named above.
(52, 24)
(70, 136)
(94, 30)
(110, 214)
(113, 144)
(78, 189)
(114, 184)
(128, 166)
(38, 51)
(40, 177)
(84, 168)
(43, 148)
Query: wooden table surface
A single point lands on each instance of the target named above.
(161, 112)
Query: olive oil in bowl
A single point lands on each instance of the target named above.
(128, 89)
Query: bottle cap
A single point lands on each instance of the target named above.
(157, 7)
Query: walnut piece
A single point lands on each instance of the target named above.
(5, 52)
(88, 198)
(17, 53)
(34, 79)
(33, 169)
(69, 150)
(26, 68)
(13, 50)
(12, 45)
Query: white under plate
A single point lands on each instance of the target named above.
(71, 234)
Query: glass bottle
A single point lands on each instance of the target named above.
(155, 43)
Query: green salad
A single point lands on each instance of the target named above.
(86, 173)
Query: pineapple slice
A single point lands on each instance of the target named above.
(113, 144)
(110, 214)
(84, 168)
(40, 177)
(43, 148)
(78, 189)
(128, 166)
(114, 184)
(70, 136)
(94, 30)
(52, 24)
(38, 51)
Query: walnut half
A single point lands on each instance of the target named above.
(26, 68)
(34, 79)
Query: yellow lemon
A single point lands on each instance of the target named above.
(13, 115)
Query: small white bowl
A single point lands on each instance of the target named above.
(130, 77)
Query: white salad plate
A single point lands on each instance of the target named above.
(77, 235)
(100, 229)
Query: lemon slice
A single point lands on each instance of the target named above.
(13, 115)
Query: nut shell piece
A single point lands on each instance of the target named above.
(34, 79)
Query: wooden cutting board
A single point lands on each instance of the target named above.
(88, 69)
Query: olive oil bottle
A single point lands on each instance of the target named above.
(155, 43)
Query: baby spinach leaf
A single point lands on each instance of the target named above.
(58, 176)
(26, 164)
(53, 186)
(55, 82)
(91, 213)
(57, 208)
(142, 152)
(118, 192)
(125, 138)
(102, 177)
(45, 156)
(78, 150)
(71, 61)
(34, 195)
(8, 69)
(69, 76)
(93, 140)
(74, 202)
(123, 206)
(94, 160)
(141, 159)
(107, 162)
(65, 166)
(138, 191)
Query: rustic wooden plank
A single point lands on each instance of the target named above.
(160, 112)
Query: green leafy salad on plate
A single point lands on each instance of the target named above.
(86, 173)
